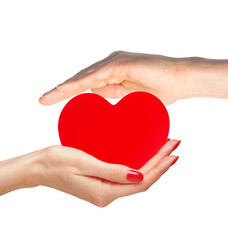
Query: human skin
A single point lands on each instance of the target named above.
(79, 174)
(170, 79)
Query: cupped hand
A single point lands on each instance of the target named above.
(124, 72)
(80, 174)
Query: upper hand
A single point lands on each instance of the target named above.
(123, 72)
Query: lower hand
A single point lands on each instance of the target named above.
(80, 174)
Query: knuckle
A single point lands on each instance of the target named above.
(103, 196)
(84, 70)
(117, 64)
(101, 200)
(120, 63)
(114, 174)
(144, 188)
(60, 87)
(84, 162)
(117, 68)
(52, 150)
(118, 52)
(101, 204)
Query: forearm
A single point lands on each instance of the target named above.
(206, 78)
(19, 172)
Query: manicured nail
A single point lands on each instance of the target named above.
(134, 176)
(167, 139)
(176, 158)
(178, 143)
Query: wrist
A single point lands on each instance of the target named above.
(205, 78)
(20, 172)
(33, 162)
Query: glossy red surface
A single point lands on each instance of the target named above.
(134, 176)
(130, 132)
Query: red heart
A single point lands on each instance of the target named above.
(130, 132)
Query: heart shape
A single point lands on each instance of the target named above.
(129, 133)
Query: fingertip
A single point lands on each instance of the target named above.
(173, 140)
(164, 164)
(134, 176)
(175, 160)
(174, 143)
(177, 144)
(43, 100)
(50, 97)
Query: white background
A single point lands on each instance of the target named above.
(42, 43)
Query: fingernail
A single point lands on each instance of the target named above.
(174, 160)
(134, 176)
(178, 143)
(167, 139)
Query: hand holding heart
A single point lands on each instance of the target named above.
(99, 182)
(88, 127)
(77, 173)
(87, 177)
(126, 135)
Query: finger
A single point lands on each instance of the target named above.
(112, 172)
(149, 179)
(111, 91)
(119, 173)
(152, 171)
(81, 163)
(166, 150)
(63, 91)
(93, 66)
(92, 77)
(159, 169)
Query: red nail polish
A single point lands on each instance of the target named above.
(167, 139)
(178, 143)
(134, 176)
(174, 160)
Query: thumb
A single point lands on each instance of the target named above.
(112, 172)
(111, 91)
